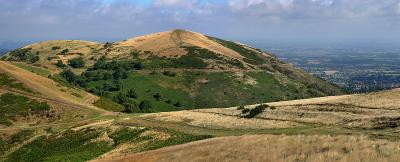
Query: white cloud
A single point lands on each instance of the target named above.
(175, 3)
(324, 2)
(243, 4)
(398, 8)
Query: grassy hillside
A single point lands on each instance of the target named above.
(14, 106)
(82, 144)
(170, 71)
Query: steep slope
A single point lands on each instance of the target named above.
(171, 70)
(32, 106)
(46, 86)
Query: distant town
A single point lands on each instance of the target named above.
(356, 70)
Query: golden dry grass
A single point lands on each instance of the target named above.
(170, 43)
(216, 121)
(274, 149)
(46, 86)
(368, 111)
(76, 48)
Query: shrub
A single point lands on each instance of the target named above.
(178, 104)
(272, 107)
(108, 44)
(169, 73)
(64, 52)
(120, 73)
(131, 107)
(144, 106)
(245, 111)
(138, 66)
(240, 107)
(76, 62)
(157, 96)
(60, 64)
(118, 85)
(55, 48)
(69, 76)
(257, 110)
(132, 93)
(120, 98)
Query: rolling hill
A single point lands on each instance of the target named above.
(171, 70)
(47, 114)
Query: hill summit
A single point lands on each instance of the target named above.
(173, 70)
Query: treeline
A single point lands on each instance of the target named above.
(102, 70)
(103, 64)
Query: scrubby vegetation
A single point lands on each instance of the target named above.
(251, 56)
(86, 144)
(60, 64)
(109, 105)
(55, 48)
(255, 111)
(71, 146)
(12, 106)
(78, 62)
(194, 59)
(23, 54)
(7, 82)
(14, 140)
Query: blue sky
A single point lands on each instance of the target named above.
(259, 21)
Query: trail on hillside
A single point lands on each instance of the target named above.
(44, 86)
(48, 91)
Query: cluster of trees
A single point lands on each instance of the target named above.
(55, 48)
(64, 52)
(103, 64)
(126, 99)
(78, 62)
(73, 79)
(113, 70)
(60, 64)
(101, 70)
(24, 54)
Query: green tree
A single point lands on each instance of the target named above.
(118, 85)
(100, 64)
(120, 98)
(157, 96)
(60, 64)
(69, 76)
(77, 62)
(144, 106)
(132, 93)
(64, 52)
(131, 107)
(138, 66)
(178, 104)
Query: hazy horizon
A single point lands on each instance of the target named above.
(324, 22)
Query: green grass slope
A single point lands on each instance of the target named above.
(132, 80)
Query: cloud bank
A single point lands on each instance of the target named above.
(259, 20)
